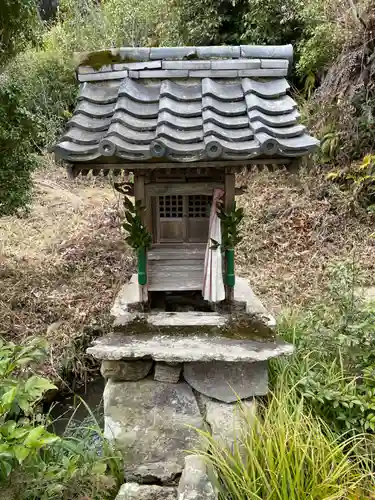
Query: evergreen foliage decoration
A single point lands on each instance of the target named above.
(139, 237)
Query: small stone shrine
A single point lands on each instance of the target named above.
(189, 337)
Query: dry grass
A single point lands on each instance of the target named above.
(62, 265)
(294, 228)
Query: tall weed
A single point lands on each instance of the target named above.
(334, 364)
(285, 453)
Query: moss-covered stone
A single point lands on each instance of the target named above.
(238, 327)
(96, 60)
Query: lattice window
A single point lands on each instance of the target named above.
(171, 206)
(199, 205)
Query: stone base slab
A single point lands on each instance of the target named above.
(181, 348)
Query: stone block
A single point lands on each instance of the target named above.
(128, 297)
(99, 76)
(153, 425)
(165, 372)
(172, 52)
(164, 73)
(211, 73)
(244, 293)
(267, 51)
(88, 69)
(221, 51)
(126, 370)
(131, 54)
(135, 491)
(236, 64)
(228, 382)
(194, 483)
(228, 420)
(274, 63)
(138, 65)
(264, 73)
(194, 64)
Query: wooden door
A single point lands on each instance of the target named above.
(182, 218)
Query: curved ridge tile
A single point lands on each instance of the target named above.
(77, 158)
(139, 92)
(268, 89)
(274, 120)
(231, 135)
(130, 135)
(68, 147)
(281, 132)
(222, 107)
(114, 145)
(280, 106)
(229, 122)
(137, 109)
(271, 145)
(235, 155)
(134, 123)
(247, 147)
(85, 122)
(95, 110)
(223, 91)
(181, 92)
(183, 109)
(98, 94)
(304, 142)
(180, 136)
(180, 122)
(84, 137)
(173, 147)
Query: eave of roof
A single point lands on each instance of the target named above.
(184, 109)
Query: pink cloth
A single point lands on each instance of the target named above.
(213, 283)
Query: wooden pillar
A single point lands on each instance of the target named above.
(140, 195)
(229, 188)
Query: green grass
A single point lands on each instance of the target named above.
(288, 454)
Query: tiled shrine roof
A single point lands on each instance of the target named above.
(186, 104)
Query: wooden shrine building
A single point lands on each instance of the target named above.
(182, 120)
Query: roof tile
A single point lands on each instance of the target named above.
(168, 108)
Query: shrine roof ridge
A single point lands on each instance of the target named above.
(186, 59)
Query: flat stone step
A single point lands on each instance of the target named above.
(187, 348)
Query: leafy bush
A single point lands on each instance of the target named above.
(286, 453)
(211, 22)
(334, 364)
(21, 436)
(322, 38)
(81, 463)
(36, 95)
(19, 24)
(36, 463)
